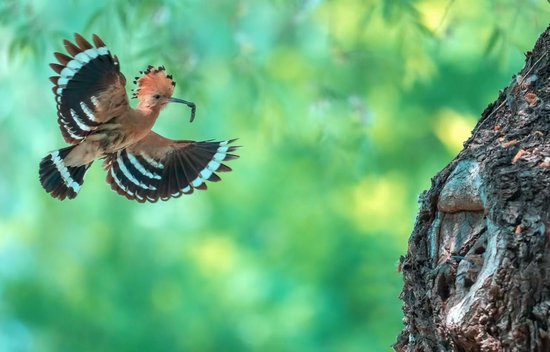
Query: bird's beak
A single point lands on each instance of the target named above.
(188, 103)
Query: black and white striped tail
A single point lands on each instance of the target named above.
(59, 180)
(139, 176)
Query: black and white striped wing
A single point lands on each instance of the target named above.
(159, 168)
(89, 89)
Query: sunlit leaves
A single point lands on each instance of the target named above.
(453, 129)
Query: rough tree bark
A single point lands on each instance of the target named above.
(477, 270)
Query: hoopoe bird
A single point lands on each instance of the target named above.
(95, 117)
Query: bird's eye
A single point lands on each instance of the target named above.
(156, 96)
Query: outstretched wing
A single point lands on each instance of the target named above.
(157, 167)
(89, 89)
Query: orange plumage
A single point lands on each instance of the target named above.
(95, 116)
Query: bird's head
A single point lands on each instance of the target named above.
(155, 88)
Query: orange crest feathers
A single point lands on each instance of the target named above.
(154, 81)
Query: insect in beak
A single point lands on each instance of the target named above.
(188, 103)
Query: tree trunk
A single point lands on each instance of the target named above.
(477, 270)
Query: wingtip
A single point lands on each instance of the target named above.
(97, 41)
(202, 187)
(231, 157)
(57, 67)
(71, 48)
(231, 141)
(224, 168)
(82, 43)
(62, 58)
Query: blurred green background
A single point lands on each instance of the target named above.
(345, 110)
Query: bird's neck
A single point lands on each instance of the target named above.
(149, 113)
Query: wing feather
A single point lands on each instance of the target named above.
(160, 168)
(89, 89)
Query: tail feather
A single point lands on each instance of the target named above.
(58, 179)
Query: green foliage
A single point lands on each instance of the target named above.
(345, 109)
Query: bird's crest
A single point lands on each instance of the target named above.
(94, 115)
(152, 81)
